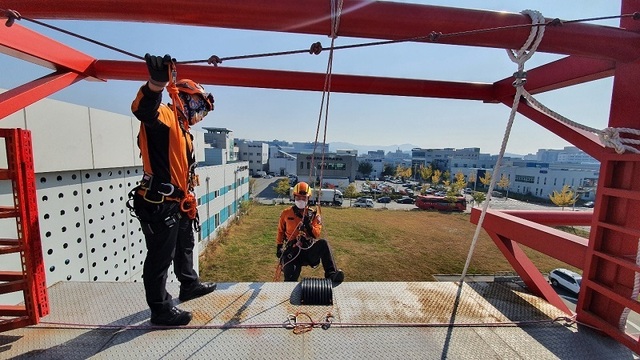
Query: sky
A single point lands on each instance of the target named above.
(371, 120)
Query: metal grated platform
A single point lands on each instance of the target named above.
(376, 320)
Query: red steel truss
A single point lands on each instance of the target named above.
(594, 52)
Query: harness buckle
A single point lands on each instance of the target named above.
(144, 196)
(168, 193)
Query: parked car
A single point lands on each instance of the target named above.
(405, 200)
(384, 199)
(365, 203)
(566, 279)
(589, 204)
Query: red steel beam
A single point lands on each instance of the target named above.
(555, 217)
(27, 94)
(586, 141)
(558, 244)
(360, 18)
(558, 74)
(292, 80)
(527, 271)
(31, 46)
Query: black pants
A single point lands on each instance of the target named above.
(295, 258)
(166, 240)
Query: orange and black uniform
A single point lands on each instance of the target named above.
(310, 250)
(167, 153)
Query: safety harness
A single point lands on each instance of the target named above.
(157, 192)
(301, 240)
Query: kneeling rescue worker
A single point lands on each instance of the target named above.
(163, 201)
(297, 242)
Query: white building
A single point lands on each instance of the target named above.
(221, 148)
(256, 153)
(281, 162)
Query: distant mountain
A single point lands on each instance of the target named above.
(363, 149)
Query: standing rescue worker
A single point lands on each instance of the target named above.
(297, 242)
(163, 201)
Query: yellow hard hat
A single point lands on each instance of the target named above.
(302, 189)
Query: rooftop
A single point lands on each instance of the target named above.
(403, 320)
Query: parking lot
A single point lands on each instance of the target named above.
(264, 194)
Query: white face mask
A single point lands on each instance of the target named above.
(301, 204)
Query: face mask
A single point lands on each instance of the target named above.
(197, 117)
(301, 204)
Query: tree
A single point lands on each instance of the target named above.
(459, 182)
(504, 184)
(351, 191)
(472, 179)
(388, 170)
(446, 175)
(435, 178)
(425, 172)
(365, 168)
(479, 197)
(486, 179)
(282, 188)
(565, 197)
(403, 172)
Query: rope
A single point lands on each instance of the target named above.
(609, 137)
(519, 58)
(292, 323)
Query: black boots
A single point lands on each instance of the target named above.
(171, 317)
(336, 276)
(195, 291)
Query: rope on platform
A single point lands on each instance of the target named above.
(301, 327)
(520, 57)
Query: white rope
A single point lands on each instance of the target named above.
(336, 12)
(610, 137)
(519, 58)
(634, 292)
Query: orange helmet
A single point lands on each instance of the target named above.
(302, 189)
(191, 87)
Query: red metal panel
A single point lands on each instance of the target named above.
(560, 245)
(292, 80)
(27, 94)
(365, 19)
(28, 45)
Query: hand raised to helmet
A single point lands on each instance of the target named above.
(158, 67)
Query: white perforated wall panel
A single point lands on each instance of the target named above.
(62, 226)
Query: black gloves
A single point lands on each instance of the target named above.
(158, 67)
(279, 251)
(307, 223)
